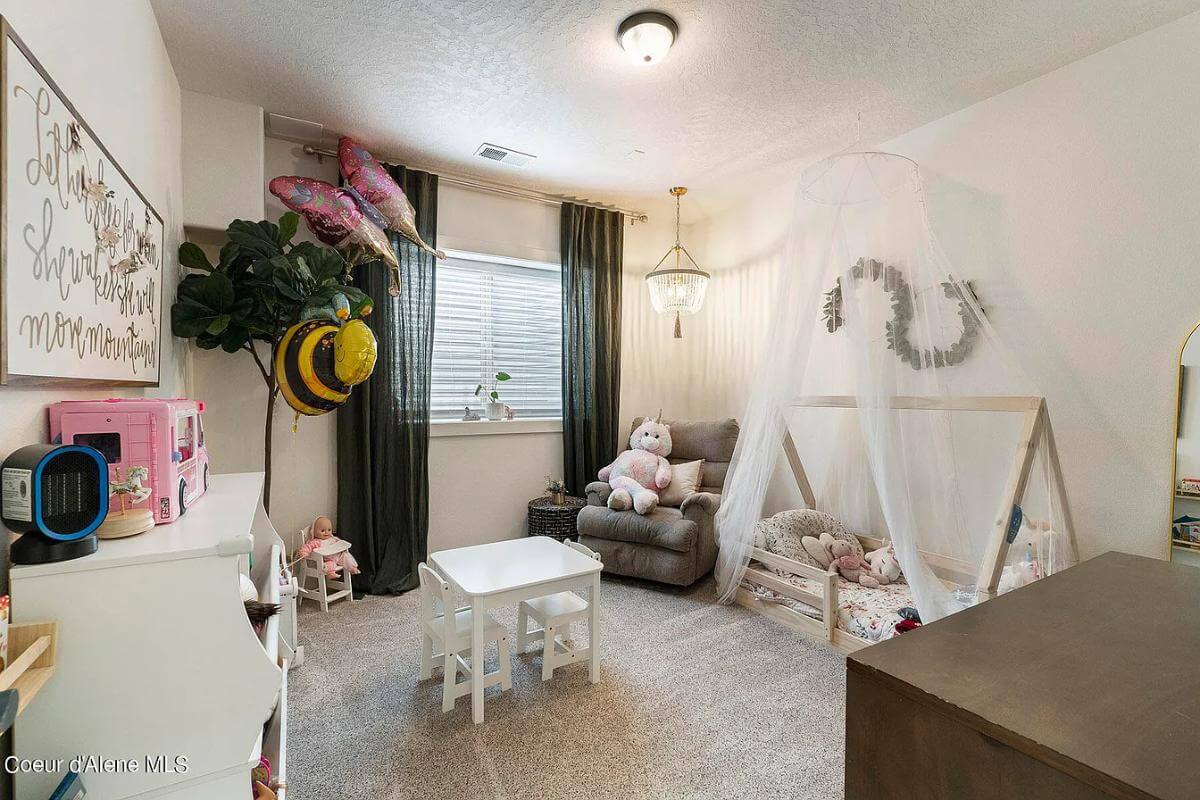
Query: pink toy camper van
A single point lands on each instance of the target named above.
(165, 436)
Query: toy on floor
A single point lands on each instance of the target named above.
(641, 471)
(334, 552)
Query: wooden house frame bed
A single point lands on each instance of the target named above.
(986, 575)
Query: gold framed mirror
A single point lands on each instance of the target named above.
(1184, 545)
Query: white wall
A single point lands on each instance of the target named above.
(303, 479)
(478, 484)
(223, 163)
(657, 370)
(480, 222)
(131, 100)
(1072, 202)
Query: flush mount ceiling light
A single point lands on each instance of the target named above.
(646, 37)
(677, 289)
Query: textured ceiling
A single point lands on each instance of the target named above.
(747, 85)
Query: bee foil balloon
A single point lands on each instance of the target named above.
(317, 363)
(354, 353)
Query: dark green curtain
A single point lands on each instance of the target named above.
(383, 431)
(592, 241)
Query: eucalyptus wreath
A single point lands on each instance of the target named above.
(833, 314)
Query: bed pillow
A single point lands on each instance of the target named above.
(686, 479)
(782, 533)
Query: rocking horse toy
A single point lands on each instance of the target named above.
(128, 491)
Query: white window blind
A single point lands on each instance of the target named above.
(497, 315)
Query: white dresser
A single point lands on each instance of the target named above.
(156, 656)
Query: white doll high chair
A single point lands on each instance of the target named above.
(312, 581)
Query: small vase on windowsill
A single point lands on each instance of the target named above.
(494, 410)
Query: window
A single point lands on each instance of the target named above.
(185, 437)
(109, 444)
(497, 315)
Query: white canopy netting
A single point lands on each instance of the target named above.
(909, 416)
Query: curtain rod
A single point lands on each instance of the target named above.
(501, 189)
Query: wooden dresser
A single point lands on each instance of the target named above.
(1083, 685)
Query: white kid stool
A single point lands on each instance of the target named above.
(315, 584)
(555, 613)
(451, 630)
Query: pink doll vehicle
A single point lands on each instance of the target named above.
(165, 436)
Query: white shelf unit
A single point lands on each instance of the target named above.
(156, 656)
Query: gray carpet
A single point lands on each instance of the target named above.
(696, 700)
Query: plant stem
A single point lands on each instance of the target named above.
(272, 392)
(257, 360)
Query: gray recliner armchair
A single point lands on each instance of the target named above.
(669, 545)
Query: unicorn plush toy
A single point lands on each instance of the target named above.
(642, 471)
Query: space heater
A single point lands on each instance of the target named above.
(55, 496)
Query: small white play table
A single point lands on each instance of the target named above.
(505, 573)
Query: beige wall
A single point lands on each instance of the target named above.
(657, 370)
(133, 106)
(223, 167)
(1072, 202)
(303, 479)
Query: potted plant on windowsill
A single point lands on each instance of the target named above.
(492, 406)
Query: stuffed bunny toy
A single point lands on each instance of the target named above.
(877, 568)
(640, 472)
(836, 554)
(882, 567)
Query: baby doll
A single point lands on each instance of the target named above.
(642, 471)
(321, 538)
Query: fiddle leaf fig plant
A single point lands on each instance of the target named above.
(261, 285)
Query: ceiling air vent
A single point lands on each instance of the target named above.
(494, 152)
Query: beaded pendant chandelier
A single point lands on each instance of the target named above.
(677, 289)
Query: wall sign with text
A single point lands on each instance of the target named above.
(81, 261)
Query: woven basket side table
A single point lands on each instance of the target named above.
(555, 521)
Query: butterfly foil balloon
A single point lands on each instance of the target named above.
(370, 179)
(339, 217)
